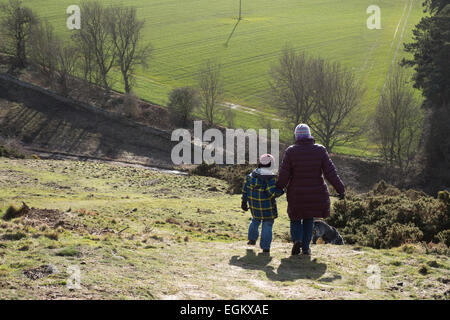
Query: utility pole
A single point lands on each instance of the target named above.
(240, 9)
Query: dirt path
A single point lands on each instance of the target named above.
(248, 110)
(216, 270)
(45, 154)
(246, 273)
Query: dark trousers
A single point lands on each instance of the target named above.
(302, 231)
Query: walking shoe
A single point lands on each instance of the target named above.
(306, 252)
(296, 248)
(251, 242)
(266, 250)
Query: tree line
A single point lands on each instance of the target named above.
(109, 37)
(429, 57)
(328, 97)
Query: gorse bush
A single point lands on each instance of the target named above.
(11, 148)
(444, 237)
(10, 153)
(388, 217)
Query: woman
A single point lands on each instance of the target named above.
(302, 170)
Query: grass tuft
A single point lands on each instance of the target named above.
(68, 252)
(12, 212)
(14, 236)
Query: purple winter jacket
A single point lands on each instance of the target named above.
(301, 171)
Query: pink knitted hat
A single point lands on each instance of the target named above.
(266, 158)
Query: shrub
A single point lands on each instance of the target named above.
(67, 252)
(131, 107)
(234, 175)
(52, 236)
(439, 248)
(11, 148)
(182, 102)
(444, 237)
(388, 217)
(12, 212)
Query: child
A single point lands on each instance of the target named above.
(259, 192)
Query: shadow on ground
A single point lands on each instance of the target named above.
(290, 268)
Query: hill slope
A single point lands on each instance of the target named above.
(49, 121)
(136, 233)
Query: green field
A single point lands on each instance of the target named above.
(185, 33)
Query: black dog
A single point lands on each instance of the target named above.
(328, 233)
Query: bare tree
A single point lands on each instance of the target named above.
(126, 34)
(211, 91)
(291, 88)
(16, 24)
(398, 121)
(86, 63)
(94, 37)
(55, 60)
(337, 95)
(265, 122)
(44, 48)
(67, 58)
(230, 117)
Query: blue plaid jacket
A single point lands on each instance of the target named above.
(260, 192)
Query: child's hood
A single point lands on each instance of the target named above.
(263, 173)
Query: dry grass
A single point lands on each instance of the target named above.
(188, 247)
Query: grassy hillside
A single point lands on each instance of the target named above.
(142, 234)
(185, 33)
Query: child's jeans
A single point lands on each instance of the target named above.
(266, 232)
(302, 231)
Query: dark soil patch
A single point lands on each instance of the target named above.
(53, 219)
(49, 217)
(40, 272)
(173, 221)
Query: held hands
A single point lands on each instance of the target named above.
(244, 205)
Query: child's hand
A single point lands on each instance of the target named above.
(244, 206)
